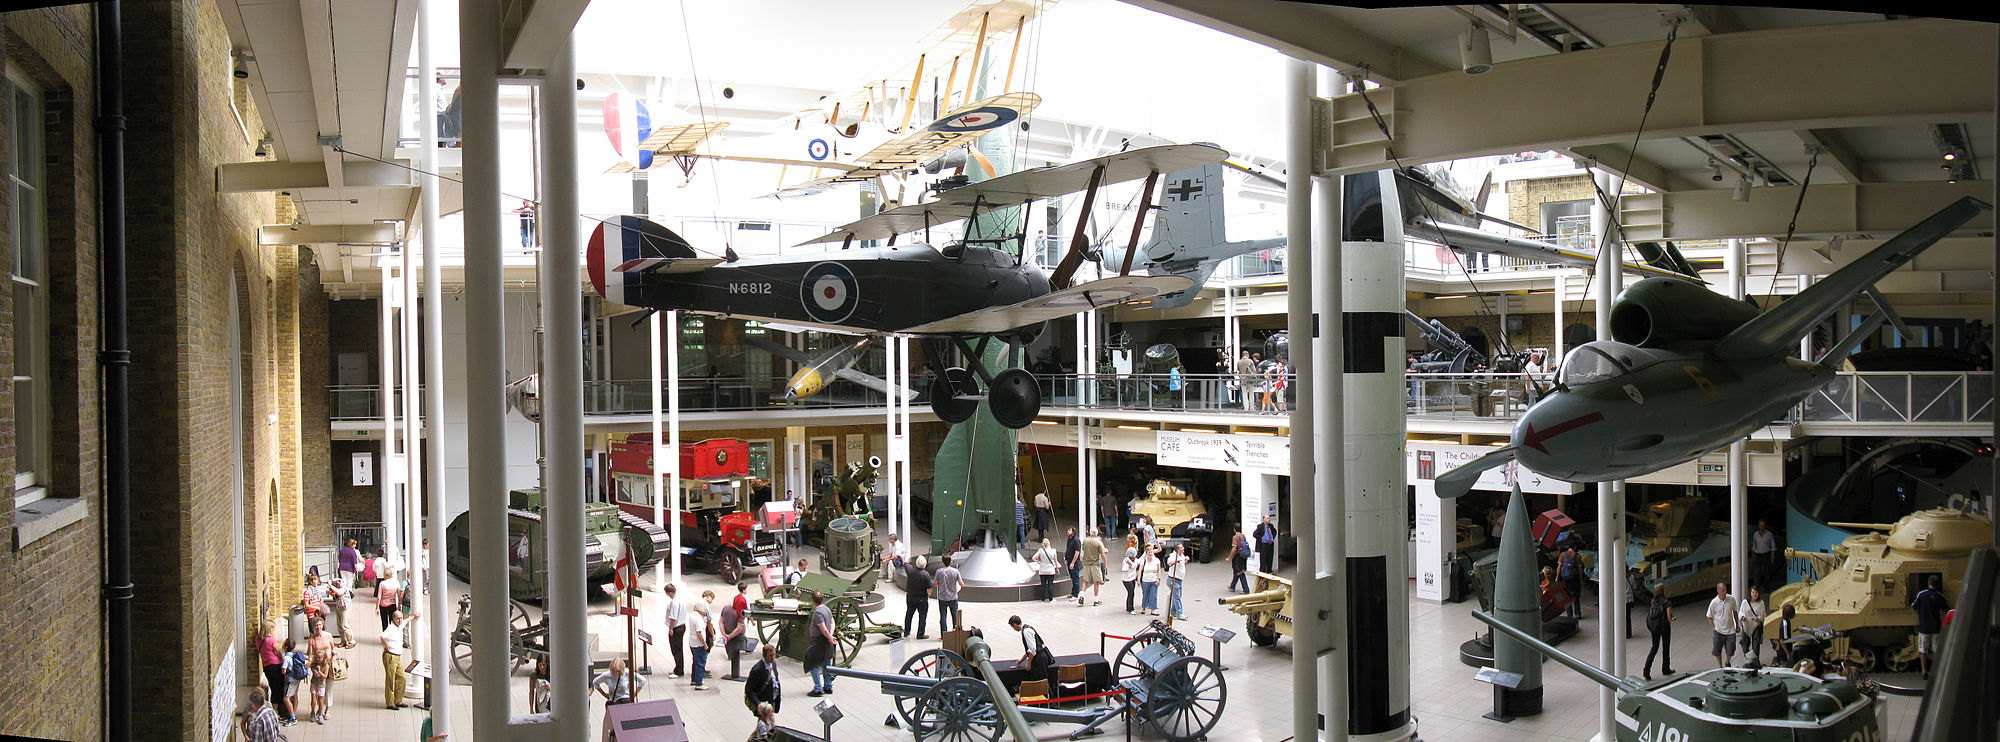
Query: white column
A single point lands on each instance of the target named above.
(659, 448)
(413, 458)
(1556, 354)
(890, 353)
(562, 398)
(674, 443)
(1610, 507)
(386, 472)
(900, 445)
(1312, 638)
(1739, 488)
(484, 364)
(440, 618)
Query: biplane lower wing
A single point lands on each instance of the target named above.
(1096, 294)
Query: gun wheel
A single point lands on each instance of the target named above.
(1186, 699)
(941, 664)
(957, 710)
(850, 628)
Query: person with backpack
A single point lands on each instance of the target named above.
(1930, 607)
(1659, 623)
(1570, 569)
(1239, 559)
(298, 668)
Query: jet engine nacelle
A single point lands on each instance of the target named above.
(1657, 312)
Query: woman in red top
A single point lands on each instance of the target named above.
(273, 659)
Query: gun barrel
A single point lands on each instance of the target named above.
(981, 655)
(1865, 526)
(1272, 597)
(1583, 668)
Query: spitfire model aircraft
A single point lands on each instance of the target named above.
(1688, 371)
(968, 291)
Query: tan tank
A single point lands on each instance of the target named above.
(1866, 598)
(1675, 545)
(1177, 514)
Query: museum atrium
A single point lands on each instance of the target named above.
(358, 329)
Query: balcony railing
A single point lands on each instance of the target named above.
(1865, 397)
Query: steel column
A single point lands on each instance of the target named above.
(1610, 507)
(433, 367)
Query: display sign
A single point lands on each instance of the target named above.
(1508, 680)
(1223, 452)
(364, 469)
(1426, 461)
(645, 638)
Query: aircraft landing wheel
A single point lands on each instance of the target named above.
(1015, 398)
(945, 403)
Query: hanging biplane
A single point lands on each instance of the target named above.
(865, 132)
(972, 290)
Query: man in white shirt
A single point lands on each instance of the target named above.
(1750, 626)
(394, 683)
(1763, 553)
(1176, 576)
(894, 556)
(677, 623)
(1043, 516)
(1722, 620)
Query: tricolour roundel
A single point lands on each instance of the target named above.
(977, 119)
(818, 149)
(829, 293)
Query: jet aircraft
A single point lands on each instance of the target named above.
(973, 290)
(1687, 371)
(815, 372)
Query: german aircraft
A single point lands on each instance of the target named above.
(1687, 371)
(1188, 238)
(960, 292)
(1434, 211)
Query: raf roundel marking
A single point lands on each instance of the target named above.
(818, 149)
(829, 293)
(978, 119)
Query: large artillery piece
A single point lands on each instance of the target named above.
(1266, 609)
(1449, 352)
(1724, 703)
(1868, 603)
(1159, 681)
(784, 617)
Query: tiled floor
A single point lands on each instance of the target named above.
(1447, 702)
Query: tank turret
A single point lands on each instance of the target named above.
(607, 531)
(1177, 514)
(1866, 598)
(1725, 703)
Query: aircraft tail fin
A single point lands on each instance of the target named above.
(1199, 272)
(1189, 224)
(1666, 257)
(623, 249)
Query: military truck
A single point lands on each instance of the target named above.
(1177, 515)
(1866, 597)
(607, 532)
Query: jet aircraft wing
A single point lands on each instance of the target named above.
(1467, 238)
(1457, 482)
(1103, 292)
(1028, 185)
(791, 354)
(1781, 327)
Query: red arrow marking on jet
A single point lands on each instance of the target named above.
(1533, 439)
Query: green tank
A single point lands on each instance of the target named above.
(1726, 703)
(606, 531)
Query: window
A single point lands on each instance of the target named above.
(1594, 362)
(26, 224)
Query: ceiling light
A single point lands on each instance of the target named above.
(1949, 156)
(1196, 430)
(1742, 188)
(1133, 427)
(1449, 296)
(1714, 170)
(1475, 50)
(1047, 422)
(1254, 432)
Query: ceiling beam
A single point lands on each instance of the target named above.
(243, 177)
(1876, 210)
(1301, 31)
(401, 41)
(1618, 158)
(316, 234)
(1835, 151)
(545, 25)
(316, 19)
(1851, 74)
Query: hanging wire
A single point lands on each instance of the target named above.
(1613, 203)
(1792, 227)
(701, 113)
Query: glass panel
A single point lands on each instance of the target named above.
(1586, 365)
(29, 255)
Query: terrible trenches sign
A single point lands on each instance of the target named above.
(1240, 453)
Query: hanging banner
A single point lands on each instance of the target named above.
(1425, 461)
(1222, 452)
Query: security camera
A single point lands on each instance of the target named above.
(242, 70)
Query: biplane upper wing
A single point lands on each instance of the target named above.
(888, 94)
(1025, 186)
(950, 130)
(1103, 292)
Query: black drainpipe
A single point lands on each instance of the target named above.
(115, 357)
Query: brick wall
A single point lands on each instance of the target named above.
(316, 435)
(51, 675)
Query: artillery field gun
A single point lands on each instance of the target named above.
(1266, 609)
(1866, 598)
(1726, 703)
(847, 496)
(607, 532)
(1177, 514)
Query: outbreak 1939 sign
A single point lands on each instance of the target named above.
(1242, 453)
